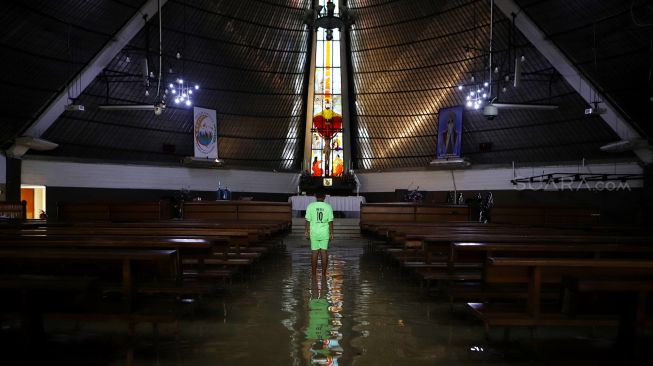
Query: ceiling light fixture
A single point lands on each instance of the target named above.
(182, 92)
(326, 17)
(479, 94)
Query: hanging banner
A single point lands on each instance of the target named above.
(206, 133)
(450, 127)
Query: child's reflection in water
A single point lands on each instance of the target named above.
(323, 324)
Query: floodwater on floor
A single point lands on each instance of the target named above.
(365, 312)
(362, 313)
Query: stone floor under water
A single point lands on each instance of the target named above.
(366, 312)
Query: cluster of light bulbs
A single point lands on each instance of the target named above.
(182, 92)
(477, 95)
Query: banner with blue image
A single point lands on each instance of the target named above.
(205, 133)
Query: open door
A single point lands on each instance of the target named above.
(35, 198)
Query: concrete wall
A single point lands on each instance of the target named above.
(71, 174)
(479, 179)
(72, 181)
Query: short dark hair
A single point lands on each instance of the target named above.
(320, 193)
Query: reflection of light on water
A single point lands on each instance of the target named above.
(289, 304)
(322, 333)
(363, 301)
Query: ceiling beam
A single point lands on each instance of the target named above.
(90, 71)
(574, 77)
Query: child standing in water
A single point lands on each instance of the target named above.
(319, 229)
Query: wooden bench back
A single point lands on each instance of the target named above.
(262, 228)
(239, 237)
(520, 270)
(478, 252)
(441, 213)
(543, 215)
(237, 211)
(13, 210)
(371, 212)
(521, 215)
(215, 211)
(114, 211)
(256, 211)
(98, 262)
(411, 212)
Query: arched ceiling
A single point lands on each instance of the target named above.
(250, 58)
(408, 58)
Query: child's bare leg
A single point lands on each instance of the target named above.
(314, 263)
(325, 261)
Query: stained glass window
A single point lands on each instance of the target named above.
(326, 142)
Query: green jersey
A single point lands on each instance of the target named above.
(319, 214)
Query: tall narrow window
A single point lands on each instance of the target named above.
(326, 131)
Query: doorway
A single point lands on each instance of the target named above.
(35, 198)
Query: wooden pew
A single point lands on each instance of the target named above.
(537, 272)
(259, 232)
(395, 212)
(427, 249)
(243, 252)
(13, 210)
(475, 255)
(442, 242)
(80, 256)
(275, 213)
(417, 232)
(273, 227)
(269, 218)
(197, 248)
(114, 211)
(385, 218)
(238, 211)
(411, 212)
(633, 294)
(239, 238)
(515, 215)
(49, 282)
(249, 241)
(439, 237)
(530, 215)
(546, 215)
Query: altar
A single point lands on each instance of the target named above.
(349, 205)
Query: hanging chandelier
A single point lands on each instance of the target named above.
(480, 91)
(182, 92)
(477, 95)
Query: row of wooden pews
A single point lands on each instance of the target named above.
(101, 270)
(512, 275)
(238, 211)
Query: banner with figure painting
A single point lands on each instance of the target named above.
(450, 127)
(205, 133)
